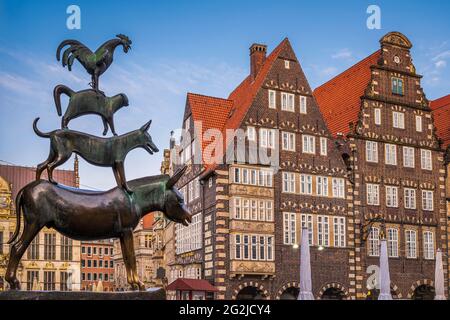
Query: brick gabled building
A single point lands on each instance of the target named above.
(397, 164)
(248, 214)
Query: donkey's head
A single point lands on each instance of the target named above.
(174, 207)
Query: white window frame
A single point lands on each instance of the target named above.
(373, 242)
(287, 64)
(373, 194)
(427, 200)
(288, 182)
(306, 184)
(391, 197)
(398, 120)
(323, 231)
(390, 154)
(289, 228)
(410, 198)
(251, 133)
(322, 186)
(392, 242)
(303, 105)
(372, 151)
(419, 123)
(377, 116)
(338, 188)
(308, 222)
(408, 157)
(426, 159)
(288, 139)
(267, 138)
(411, 244)
(308, 144)
(339, 232)
(323, 146)
(272, 99)
(428, 245)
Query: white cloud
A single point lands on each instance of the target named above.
(440, 64)
(342, 54)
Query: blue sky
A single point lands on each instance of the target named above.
(187, 46)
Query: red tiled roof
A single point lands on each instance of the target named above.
(211, 111)
(20, 176)
(441, 115)
(339, 99)
(191, 285)
(245, 93)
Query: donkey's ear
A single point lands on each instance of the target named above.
(146, 126)
(174, 179)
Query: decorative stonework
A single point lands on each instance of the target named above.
(334, 285)
(417, 284)
(293, 284)
(254, 284)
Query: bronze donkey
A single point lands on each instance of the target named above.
(88, 215)
(89, 102)
(105, 152)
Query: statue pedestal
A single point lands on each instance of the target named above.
(82, 295)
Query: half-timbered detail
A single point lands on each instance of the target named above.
(397, 166)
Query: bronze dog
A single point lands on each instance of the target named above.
(89, 215)
(104, 152)
(89, 102)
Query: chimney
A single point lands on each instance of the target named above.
(257, 58)
(172, 140)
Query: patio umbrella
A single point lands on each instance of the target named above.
(385, 279)
(100, 286)
(439, 277)
(305, 269)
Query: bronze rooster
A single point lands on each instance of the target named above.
(95, 63)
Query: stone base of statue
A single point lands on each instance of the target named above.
(82, 295)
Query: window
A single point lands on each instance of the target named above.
(374, 242)
(246, 209)
(272, 99)
(391, 197)
(287, 102)
(428, 245)
(392, 242)
(246, 254)
(49, 281)
(188, 238)
(427, 200)
(309, 144)
(190, 191)
(269, 210)
(262, 248)
(371, 151)
(425, 159)
(305, 184)
(251, 133)
(32, 278)
(196, 188)
(66, 249)
(254, 250)
(237, 175)
(398, 120)
(303, 105)
(33, 249)
(418, 123)
(237, 247)
(411, 248)
(397, 86)
(245, 176)
(323, 146)
(339, 231)
(49, 246)
(377, 116)
(1, 242)
(289, 226)
(410, 198)
(267, 138)
(307, 222)
(390, 154)
(253, 209)
(288, 182)
(288, 141)
(65, 278)
(408, 157)
(253, 177)
(322, 186)
(338, 188)
(286, 64)
(323, 231)
(187, 123)
(373, 194)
